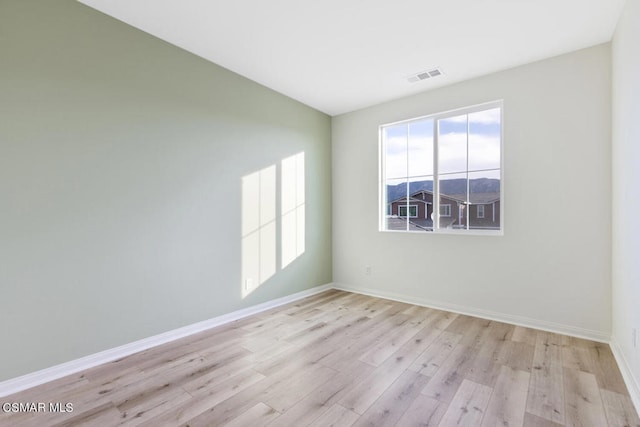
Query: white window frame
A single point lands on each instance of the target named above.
(447, 208)
(478, 210)
(436, 208)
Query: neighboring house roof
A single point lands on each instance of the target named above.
(455, 197)
(478, 198)
(474, 198)
(415, 224)
(447, 222)
(411, 199)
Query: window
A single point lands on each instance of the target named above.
(452, 161)
(413, 211)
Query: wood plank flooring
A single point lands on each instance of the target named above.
(342, 359)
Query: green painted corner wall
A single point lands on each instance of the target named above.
(121, 169)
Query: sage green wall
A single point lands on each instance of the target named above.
(120, 184)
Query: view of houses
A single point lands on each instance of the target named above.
(482, 211)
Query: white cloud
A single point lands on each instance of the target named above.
(484, 153)
(395, 157)
(486, 117)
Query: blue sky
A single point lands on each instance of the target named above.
(416, 140)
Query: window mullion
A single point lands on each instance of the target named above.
(407, 178)
(382, 164)
(467, 176)
(436, 178)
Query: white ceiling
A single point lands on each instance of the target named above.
(342, 55)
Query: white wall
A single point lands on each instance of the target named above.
(626, 191)
(552, 267)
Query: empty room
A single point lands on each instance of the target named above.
(334, 213)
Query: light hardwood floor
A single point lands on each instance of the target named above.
(341, 359)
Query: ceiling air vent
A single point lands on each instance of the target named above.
(424, 75)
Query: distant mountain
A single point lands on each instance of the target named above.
(449, 186)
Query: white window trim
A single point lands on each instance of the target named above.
(478, 212)
(435, 117)
(447, 207)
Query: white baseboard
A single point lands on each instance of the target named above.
(484, 314)
(33, 379)
(49, 374)
(625, 368)
(630, 380)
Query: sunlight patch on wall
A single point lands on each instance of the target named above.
(258, 228)
(293, 208)
(269, 215)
